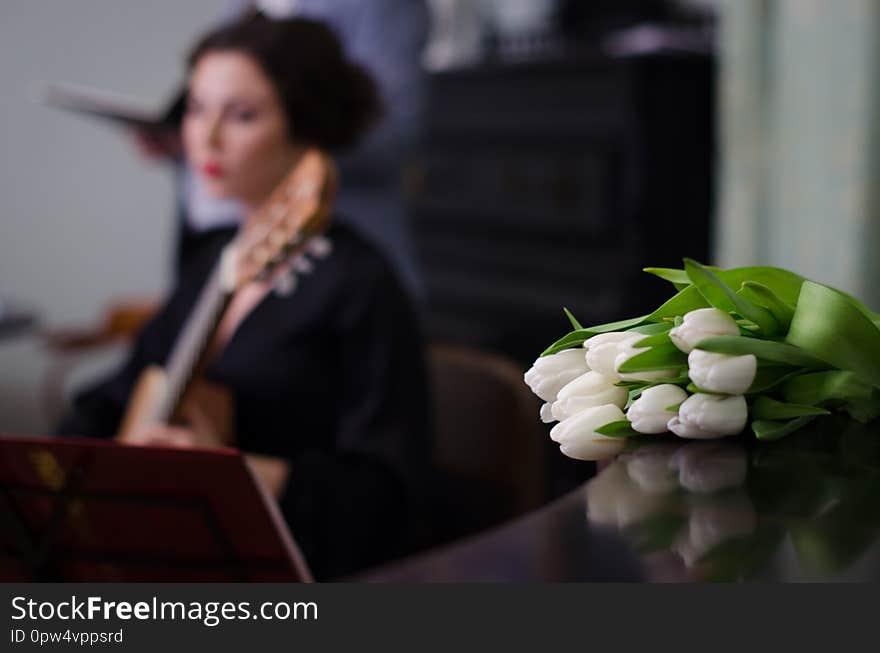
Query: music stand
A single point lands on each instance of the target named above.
(79, 510)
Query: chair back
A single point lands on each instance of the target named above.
(489, 450)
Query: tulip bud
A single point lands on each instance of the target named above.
(586, 391)
(606, 352)
(602, 352)
(577, 435)
(707, 416)
(550, 373)
(702, 323)
(730, 375)
(648, 413)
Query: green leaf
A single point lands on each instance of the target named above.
(620, 429)
(568, 341)
(619, 325)
(677, 278)
(674, 407)
(634, 393)
(661, 357)
(693, 388)
(770, 376)
(768, 350)
(683, 302)
(867, 312)
(765, 408)
(785, 284)
(775, 430)
(828, 325)
(764, 296)
(636, 388)
(652, 328)
(571, 318)
(576, 338)
(653, 341)
(719, 295)
(818, 387)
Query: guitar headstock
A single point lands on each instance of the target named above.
(296, 211)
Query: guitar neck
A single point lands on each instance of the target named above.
(296, 211)
(190, 349)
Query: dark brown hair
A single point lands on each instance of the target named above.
(329, 101)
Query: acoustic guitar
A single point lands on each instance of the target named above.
(287, 228)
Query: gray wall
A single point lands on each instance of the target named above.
(84, 218)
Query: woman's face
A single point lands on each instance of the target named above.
(235, 131)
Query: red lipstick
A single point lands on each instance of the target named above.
(212, 170)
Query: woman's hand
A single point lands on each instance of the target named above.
(165, 435)
(198, 431)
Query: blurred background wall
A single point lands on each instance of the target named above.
(84, 218)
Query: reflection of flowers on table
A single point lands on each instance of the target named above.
(725, 510)
(685, 499)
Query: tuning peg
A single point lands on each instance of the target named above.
(293, 240)
(320, 247)
(285, 283)
(303, 264)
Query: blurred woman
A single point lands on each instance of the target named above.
(328, 383)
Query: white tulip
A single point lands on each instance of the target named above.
(706, 416)
(648, 413)
(602, 351)
(606, 352)
(577, 435)
(702, 323)
(549, 374)
(586, 391)
(731, 375)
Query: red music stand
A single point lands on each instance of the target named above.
(77, 510)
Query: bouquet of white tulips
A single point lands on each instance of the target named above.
(756, 345)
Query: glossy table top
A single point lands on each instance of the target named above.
(805, 508)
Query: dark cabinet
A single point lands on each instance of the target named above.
(551, 184)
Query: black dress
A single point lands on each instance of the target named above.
(330, 378)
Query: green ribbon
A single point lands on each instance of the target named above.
(830, 326)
